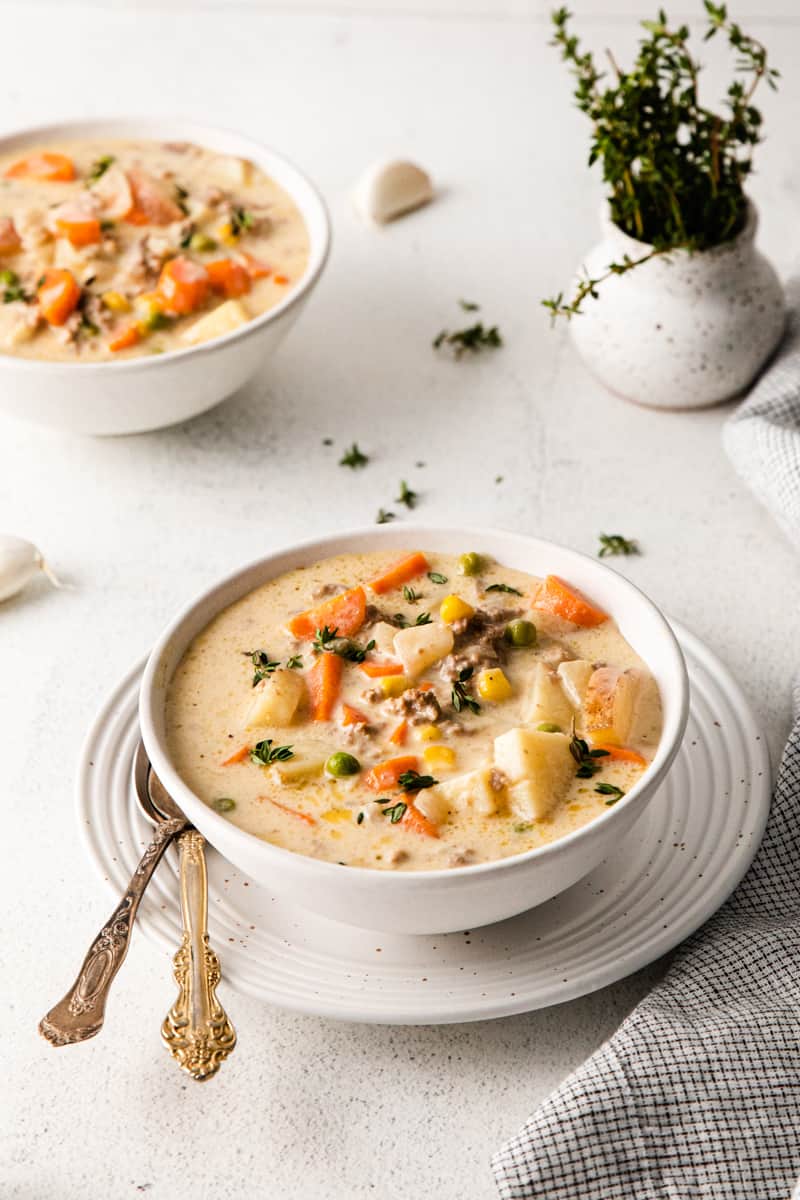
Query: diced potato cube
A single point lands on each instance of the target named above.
(223, 319)
(236, 171)
(546, 700)
(297, 769)
(275, 699)
(440, 758)
(575, 676)
(543, 761)
(419, 646)
(15, 325)
(610, 701)
(493, 685)
(472, 791)
(433, 804)
(383, 635)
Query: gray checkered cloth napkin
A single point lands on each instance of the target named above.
(697, 1094)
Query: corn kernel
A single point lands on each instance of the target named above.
(453, 608)
(393, 685)
(116, 302)
(605, 735)
(442, 757)
(493, 685)
(336, 814)
(428, 733)
(225, 234)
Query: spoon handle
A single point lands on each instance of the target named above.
(81, 1013)
(196, 1030)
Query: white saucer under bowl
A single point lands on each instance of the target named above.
(688, 851)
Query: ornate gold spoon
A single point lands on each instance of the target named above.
(196, 1030)
(81, 1013)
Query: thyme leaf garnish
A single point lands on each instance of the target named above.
(353, 457)
(473, 339)
(412, 781)
(615, 543)
(265, 753)
(504, 587)
(611, 790)
(263, 664)
(459, 696)
(407, 496)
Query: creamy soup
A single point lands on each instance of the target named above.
(411, 713)
(112, 249)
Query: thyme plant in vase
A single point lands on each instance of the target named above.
(675, 308)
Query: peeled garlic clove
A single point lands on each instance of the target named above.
(20, 561)
(389, 189)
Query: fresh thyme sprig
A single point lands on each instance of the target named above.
(611, 790)
(384, 517)
(615, 543)
(265, 753)
(504, 587)
(412, 781)
(99, 167)
(584, 757)
(675, 169)
(459, 696)
(326, 640)
(263, 664)
(407, 496)
(473, 339)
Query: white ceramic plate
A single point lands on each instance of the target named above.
(688, 851)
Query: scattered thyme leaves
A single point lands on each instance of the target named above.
(468, 305)
(613, 792)
(99, 167)
(265, 753)
(424, 618)
(615, 543)
(181, 196)
(384, 517)
(262, 663)
(295, 663)
(504, 587)
(11, 287)
(241, 220)
(353, 458)
(412, 781)
(459, 696)
(437, 577)
(410, 594)
(323, 636)
(407, 496)
(584, 757)
(325, 639)
(395, 812)
(472, 339)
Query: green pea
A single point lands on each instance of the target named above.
(341, 764)
(521, 633)
(470, 564)
(548, 727)
(201, 242)
(223, 804)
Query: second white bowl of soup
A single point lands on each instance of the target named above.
(147, 269)
(416, 730)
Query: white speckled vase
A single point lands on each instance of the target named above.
(683, 331)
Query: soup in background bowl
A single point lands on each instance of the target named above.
(404, 739)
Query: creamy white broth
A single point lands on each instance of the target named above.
(296, 805)
(185, 203)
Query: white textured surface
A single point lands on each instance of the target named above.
(306, 1107)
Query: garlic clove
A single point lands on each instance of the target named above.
(20, 561)
(391, 188)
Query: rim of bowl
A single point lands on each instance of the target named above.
(205, 136)
(312, 549)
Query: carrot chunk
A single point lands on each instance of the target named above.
(353, 716)
(400, 573)
(324, 682)
(557, 597)
(623, 753)
(398, 738)
(281, 279)
(238, 756)
(415, 820)
(229, 277)
(182, 286)
(81, 231)
(293, 812)
(345, 613)
(46, 166)
(386, 774)
(9, 238)
(58, 294)
(124, 340)
(255, 268)
(377, 670)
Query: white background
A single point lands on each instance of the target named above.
(309, 1108)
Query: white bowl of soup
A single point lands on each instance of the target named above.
(416, 729)
(147, 269)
